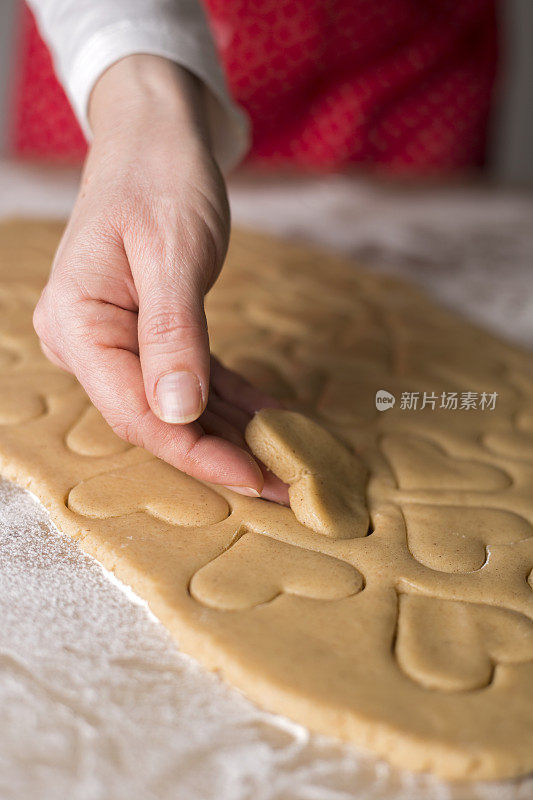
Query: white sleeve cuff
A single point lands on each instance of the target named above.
(192, 49)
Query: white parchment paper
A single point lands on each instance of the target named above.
(97, 703)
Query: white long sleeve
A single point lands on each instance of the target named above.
(87, 36)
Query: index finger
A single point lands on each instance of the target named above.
(113, 380)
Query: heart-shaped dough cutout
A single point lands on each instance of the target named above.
(453, 646)
(418, 464)
(19, 402)
(92, 436)
(326, 481)
(154, 487)
(257, 568)
(455, 539)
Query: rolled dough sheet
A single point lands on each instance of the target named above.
(411, 636)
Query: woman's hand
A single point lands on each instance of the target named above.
(123, 309)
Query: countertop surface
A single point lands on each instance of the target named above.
(97, 701)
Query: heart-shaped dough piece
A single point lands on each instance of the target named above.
(92, 436)
(154, 487)
(454, 646)
(326, 481)
(257, 568)
(455, 539)
(419, 464)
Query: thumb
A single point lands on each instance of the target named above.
(174, 346)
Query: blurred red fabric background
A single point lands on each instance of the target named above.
(401, 85)
(44, 125)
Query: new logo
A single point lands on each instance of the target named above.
(384, 400)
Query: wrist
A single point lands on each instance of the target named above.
(145, 90)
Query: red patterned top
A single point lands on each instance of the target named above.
(404, 85)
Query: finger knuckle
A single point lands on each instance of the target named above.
(129, 427)
(41, 320)
(161, 327)
(124, 429)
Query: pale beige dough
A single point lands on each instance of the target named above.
(326, 481)
(256, 569)
(153, 487)
(92, 436)
(393, 606)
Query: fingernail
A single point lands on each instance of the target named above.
(246, 490)
(179, 397)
